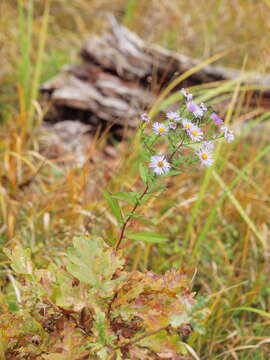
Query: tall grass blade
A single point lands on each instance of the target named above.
(38, 65)
(257, 311)
(155, 108)
(130, 11)
(208, 174)
(240, 209)
(211, 217)
(25, 20)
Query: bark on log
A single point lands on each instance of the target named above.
(115, 80)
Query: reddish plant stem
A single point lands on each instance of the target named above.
(129, 218)
(138, 202)
(178, 147)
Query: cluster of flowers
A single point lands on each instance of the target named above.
(195, 115)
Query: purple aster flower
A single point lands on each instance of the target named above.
(145, 117)
(194, 108)
(217, 120)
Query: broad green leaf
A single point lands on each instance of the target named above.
(114, 206)
(149, 237)
(20, 259)
(92, 261)
(179, 319)
(165, 345)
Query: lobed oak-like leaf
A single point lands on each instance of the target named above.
(20, 259)
(92, 262)
(165, 345)
(153, 299)
(90, 308)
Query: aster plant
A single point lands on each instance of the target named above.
(169, 147)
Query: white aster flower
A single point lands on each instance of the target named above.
(194, 108)
(160, 129)
(195, 133)
(172, 115)
(145, 117)
(206, 156)
(228, 134)
(172, 125)
(159, 165)
(187, 125)
(217, 120)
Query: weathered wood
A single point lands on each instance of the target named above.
(115, 80)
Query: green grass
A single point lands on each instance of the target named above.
(217, 222)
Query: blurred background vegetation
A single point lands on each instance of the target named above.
(218, 221)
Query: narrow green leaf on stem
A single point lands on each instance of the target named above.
(149, 237)
(114, 206)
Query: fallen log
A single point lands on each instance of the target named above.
(115, 80)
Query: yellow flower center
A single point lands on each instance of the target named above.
(161, 130)
(187, 126)
(195, 133)
(160, 164)
(204, 156)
